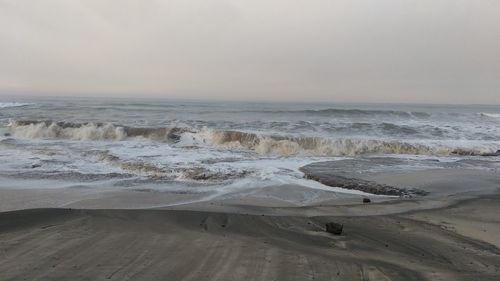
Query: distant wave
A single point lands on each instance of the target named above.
(490, 115)
(262, 144)
(347, 112)
(363, 112)
(13, 104)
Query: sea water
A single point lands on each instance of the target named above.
(198, 146)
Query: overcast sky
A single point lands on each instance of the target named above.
(445, 51)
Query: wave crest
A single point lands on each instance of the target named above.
(261, 144)
(89, 131)
(317, 146)
(53, 130)
(14, 104)
(489, 115)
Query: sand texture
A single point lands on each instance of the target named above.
(71, 244)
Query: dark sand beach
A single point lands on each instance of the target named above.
(456, 239)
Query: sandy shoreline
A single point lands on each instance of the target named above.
(266, 234)
(62, 244)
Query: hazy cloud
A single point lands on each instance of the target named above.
(352, 50)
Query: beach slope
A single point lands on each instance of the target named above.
(71, 244)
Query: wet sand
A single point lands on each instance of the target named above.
(64, 244)
(254, 237)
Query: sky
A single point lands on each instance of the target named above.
(425, 51)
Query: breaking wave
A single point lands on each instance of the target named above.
(63, 130)
(489, 115)
(88, 131)
(317, 146)
(13, 104)
(261, 144)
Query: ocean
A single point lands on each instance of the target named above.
(222, 147)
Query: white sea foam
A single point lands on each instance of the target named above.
(206, 148)
(261, 144)
(13, 104)
(490, 115)
(47, 130)
(319, 146)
